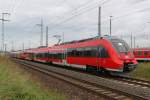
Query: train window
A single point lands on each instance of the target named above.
(49, 55)
(63, 55)
(87, 52)
(120, 45)
(139, 53)
(37, 55)
(54, 55)
(79, 52)
(73, 53)
(43, 55)
(59, 55)
(94, 51)
(46, 55)
(90, 52)
(82, 52)
(40, 55)
(70, 52)
(103, 53)
(145, 53)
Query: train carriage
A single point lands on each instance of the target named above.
(105, 53)
(142, 54)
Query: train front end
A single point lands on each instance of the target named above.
(125, 54)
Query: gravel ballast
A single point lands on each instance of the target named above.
(128, 88)
(69, 90)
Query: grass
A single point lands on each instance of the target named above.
(142, 71)
(16, 84)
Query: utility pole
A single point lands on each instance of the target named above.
(121, 36)
(46, 36)
(99, 22)
(131, 40)
(134, 42)
(29, 44)
(23, 47)
(3, 35)
(63, 38)
(5, 49)
(12, 47)
(41, 26)
(110, 24)
(148, 34)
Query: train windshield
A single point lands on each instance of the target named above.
(120, 45)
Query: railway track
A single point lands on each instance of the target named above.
(127, 80)
(122, 79)
(119, 78)
(134, 81)
(100, 90)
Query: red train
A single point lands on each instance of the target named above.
(142, 54)
(106, 53)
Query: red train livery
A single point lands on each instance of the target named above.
(142, 54)
(105, 53)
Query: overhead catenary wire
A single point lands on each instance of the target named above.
(105, 19)
(76, 10)
(124, 15)
(85, 9)
(130, 13)
(81, 6)
(78, 7)
(80, 13)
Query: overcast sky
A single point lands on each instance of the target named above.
(77, 19)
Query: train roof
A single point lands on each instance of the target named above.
(90, 39)
(74, 44)
(86, 42)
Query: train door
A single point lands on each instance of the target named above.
(64, 60)
(99, 59)
(102, 56)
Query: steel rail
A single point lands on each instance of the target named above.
(130, 80)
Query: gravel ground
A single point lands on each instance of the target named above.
(132, 89)
(70, 91)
